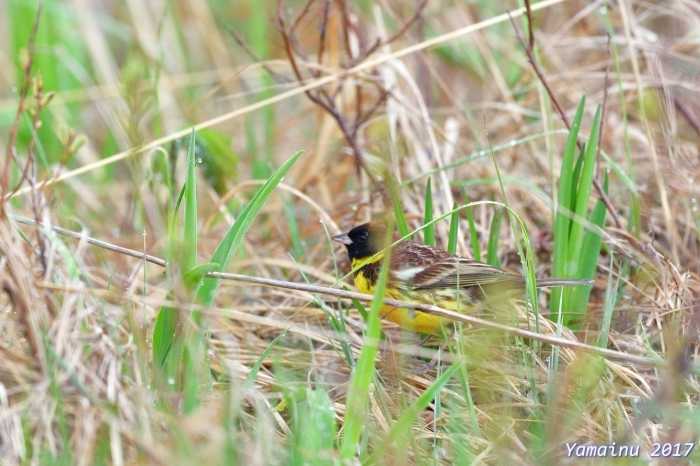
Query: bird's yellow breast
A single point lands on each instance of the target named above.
(411, 319)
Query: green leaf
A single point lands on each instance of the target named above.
(163, 334)
(583, 195)
(315, 436)
(234, 236)
(250, 379)
(494, 236)
(401, 223)
(476, 251)
(195, 348)
(403, 425)
(358, 393)
(218, 160)
(429, 232)
(195, 275)
(189, 243)
(454, 230)
(590, 251)
(562, 219)
(576, 177)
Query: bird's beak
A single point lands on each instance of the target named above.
(342, 238)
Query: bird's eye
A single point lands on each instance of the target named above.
(363, 237)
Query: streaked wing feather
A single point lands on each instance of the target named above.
(461, 272)
(448, 272)
(418, 266)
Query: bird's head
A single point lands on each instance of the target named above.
(363, 241)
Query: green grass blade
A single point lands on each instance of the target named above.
(583, 194)
(401, 223)
(234, 236)
(494, 236)
(454, 230)
(429, 232)
(196, 363)
(316, 429)
(163, 335)
(360, 307)
(476, 251)
(189, 243)
(578, 226)
(586, 182)
(167, 331)
(358, 392)
(250, 379)
(195, 275)
(590, 252)
(576, 177)
(402, 426)
(290, 215)
(562, 220)
(608, 308)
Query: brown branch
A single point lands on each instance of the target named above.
(323, 30)
(348, 26)
(530, 32)
(362, 119)
(683, 108)
(287, 44)
(278, 77)
(538, 71)
(378, 43)
(301, 15)
(320, 96)
(408, 24)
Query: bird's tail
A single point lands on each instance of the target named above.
(562, 282)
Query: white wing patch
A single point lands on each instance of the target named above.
(407, 275)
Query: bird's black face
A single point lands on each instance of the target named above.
(363, 241)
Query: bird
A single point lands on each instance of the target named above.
(420, 273)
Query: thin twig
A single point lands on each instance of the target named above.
(303, 13)
(278, 77)
(416, 16)
(683, 108)
(323, 31)
(362, 119)
(320, 96)
(90, 240)
(538, 71)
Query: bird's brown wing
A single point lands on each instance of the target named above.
(421, 267)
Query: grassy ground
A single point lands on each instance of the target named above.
(116, 349)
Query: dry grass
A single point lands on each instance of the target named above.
(76, 378)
